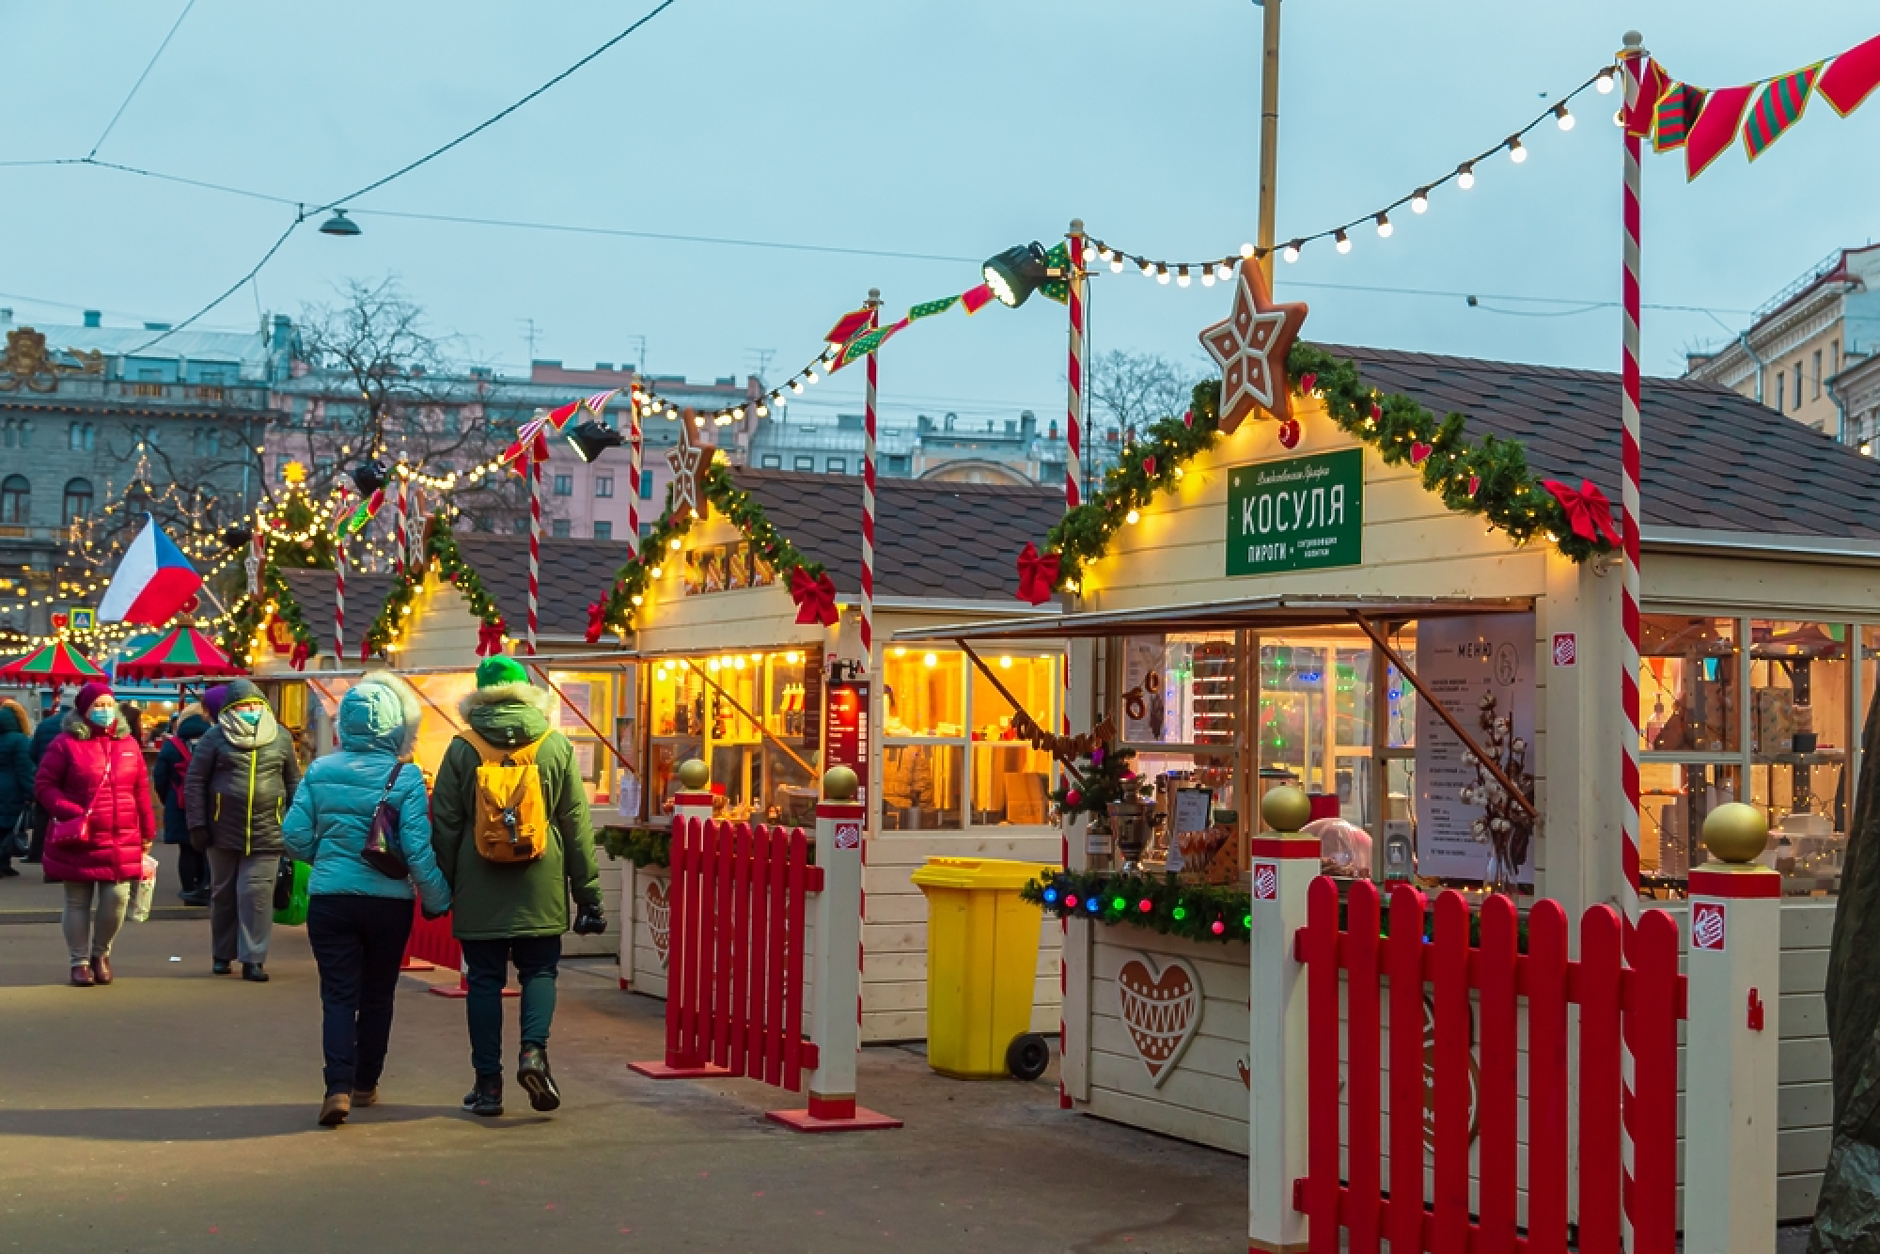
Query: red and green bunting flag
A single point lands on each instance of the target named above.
(1777, 108)
(1676, 114)
(857, 339)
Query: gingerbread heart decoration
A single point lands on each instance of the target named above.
(1161, 1007)
(659, 916)
(1419, 452)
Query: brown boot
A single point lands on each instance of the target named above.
(101, 969)
(366, 1097)
(81, 977)
(334, 1109)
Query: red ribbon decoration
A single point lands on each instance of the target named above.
(490, 639)
(597, 620)
(1588, 510)
(1037, 574)
(298, 658)
(815, 597)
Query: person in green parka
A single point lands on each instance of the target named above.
(512, 907)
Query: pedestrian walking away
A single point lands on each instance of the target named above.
(240, 782)
(513, 838)
(93, 784)
(16, 785)
(359, 916)
(50, 725)
(172, 769)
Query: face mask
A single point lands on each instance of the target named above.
(101, 714)
(249, 715)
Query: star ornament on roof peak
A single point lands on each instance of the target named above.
(1251, 347)
(690, 463)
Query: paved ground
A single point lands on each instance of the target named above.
(174, 1111)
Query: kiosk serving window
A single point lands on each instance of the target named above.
(751, 717)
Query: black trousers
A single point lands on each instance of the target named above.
(41, 820)
(358, 943)
(192, 867)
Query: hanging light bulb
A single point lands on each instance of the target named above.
(1562, 118)
(1207, 276)
(1181, 277)
(1223, 270)
(1132, 517)
(1384, 227)
(1148, 268)
(1465, 175)
(1290, 252)
(796, 385)
(1604, 81)
(809, 376)
(1246, 251)
(1343, 241)
(1516, 153)
(1116, 263)
(1161, 272)
(1420, 200)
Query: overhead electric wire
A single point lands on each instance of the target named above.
(132, 94)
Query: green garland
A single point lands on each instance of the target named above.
(1109, 774)
(440, 550)
(772, 546)
(1505, 491)
(1190, 911)
(250, 616)
(642, 846)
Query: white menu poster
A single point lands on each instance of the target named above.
(1143, 658)
(1480, 666)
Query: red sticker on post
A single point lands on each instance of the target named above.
(1566, 649)
(1707, 926)
(1266, 881)
(848, 835)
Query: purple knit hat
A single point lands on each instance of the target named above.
(213, 698)
(90, 694)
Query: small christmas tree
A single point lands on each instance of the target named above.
(1108, 775)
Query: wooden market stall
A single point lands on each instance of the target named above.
(1243, 625)
(731, 677)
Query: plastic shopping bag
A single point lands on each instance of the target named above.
(143, 892)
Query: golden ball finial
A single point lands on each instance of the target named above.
(1734, 832)
(1286, 809)
(694, 774)
(841, 784)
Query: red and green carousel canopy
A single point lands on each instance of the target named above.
(182, 652)
(56, 663)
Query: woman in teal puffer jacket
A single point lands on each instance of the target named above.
(358, 919)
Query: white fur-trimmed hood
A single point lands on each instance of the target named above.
(496, 694)
(371, 691)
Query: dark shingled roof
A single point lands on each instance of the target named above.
(950, 541)
(1711, 459)
(574, 572)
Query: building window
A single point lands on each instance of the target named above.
(1834, 357)
(838, 466)
(603, 485)
(77, 500)
(520, 526)
(559, 528)
(23, 431)
(564, 485)
(646, 485)
(603, 530)
(1816, 393)
(805, 463)
(453, 422)
(1781, 380)
(1798, 385)
(16, 501)
(82, 437)
(771, 461)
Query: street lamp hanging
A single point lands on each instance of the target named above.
(339, 224)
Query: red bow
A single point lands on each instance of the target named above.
(1588, 510)
(490, 639)
(298, 658)
(1037, 574)
(597, 620)
(815, 597)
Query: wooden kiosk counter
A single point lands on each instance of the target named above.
(1250, 621)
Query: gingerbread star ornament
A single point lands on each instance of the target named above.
(1251, 347)
(690, 464)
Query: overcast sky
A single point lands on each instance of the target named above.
(944, 128)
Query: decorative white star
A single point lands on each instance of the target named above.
(689, 462)
(1251, 347)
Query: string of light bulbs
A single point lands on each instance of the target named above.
(650, 405)
(1417, 200)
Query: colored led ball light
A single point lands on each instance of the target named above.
(1217, 927)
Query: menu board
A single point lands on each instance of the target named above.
(1142, 674)
(1481, 668)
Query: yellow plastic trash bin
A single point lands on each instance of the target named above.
(982, 968)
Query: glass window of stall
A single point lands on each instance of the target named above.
(1179, 707)
(709, 707)
(1801, 733)
(581, 707)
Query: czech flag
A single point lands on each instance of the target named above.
(152, 582)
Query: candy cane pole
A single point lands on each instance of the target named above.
(1633, 61)
(873, 305)
(339, 597)
(638, 446)
(534, 469)
(1073, 418)
(399, 524)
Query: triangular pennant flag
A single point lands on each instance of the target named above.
(597, 403)
(976, 299)
(1715, 128)
(1778, 107)
(561, 416)
(1653, 83)
(848, 326)
(1677, 111)
(153, 580)
(1850, 77)
(1057, 257)
(928, 308)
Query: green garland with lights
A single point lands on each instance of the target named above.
(1189, 911)
(1108, 775)
(771, 545)
(1506, 492)
(440, 551)
(251, 615)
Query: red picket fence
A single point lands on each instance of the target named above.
(734, 993)
(431, 942)
(1639, 1003)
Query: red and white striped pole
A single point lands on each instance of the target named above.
(1633, 61)
(638, 447)
(535, 541)
(400, 523)
(873, 305)
(339, 597)
(1074, 415)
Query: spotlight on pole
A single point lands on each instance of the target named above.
(236, 537)
(1016, 273)
(369, 477)
(591, 439)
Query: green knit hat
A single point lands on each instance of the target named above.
(493, 672)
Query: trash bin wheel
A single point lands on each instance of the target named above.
(1027, 1056)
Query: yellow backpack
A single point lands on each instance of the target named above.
(511, 812)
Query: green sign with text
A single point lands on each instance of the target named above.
(1302, 513)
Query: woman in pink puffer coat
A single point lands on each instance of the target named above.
(93, 784)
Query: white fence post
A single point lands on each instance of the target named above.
(1284, 865)
(1734, 966)
(835, 1007)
